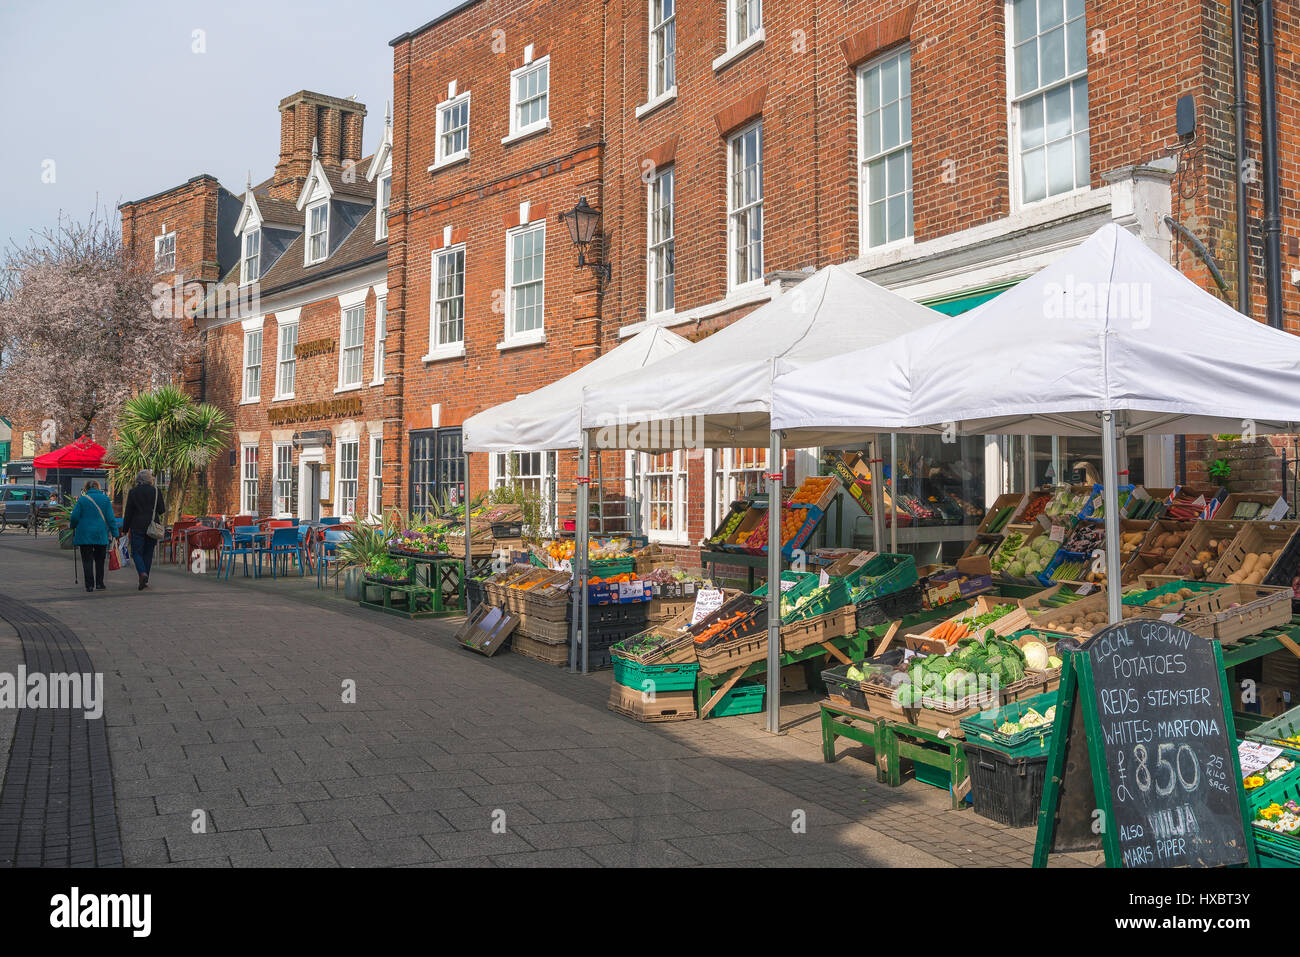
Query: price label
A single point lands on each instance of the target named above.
(787, 585)
(1279, 510)
(630, 590)
(707, 601)
(1171, 617)
(1087, 588)
(860, 559)
(1058, 533)
(824, 579)
(1255, 756)
(566, 565)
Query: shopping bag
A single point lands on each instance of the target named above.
(119, 554)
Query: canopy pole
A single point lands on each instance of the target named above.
(469, 560)
(582, 549)
(893, 493)
(1110, 479)
(575, 569)
(774, 473)
(877, 496)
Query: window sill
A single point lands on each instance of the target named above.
(456, 351)
(375, 382)
(347, 388)
(663, 99)
(282, 398)
(751, 42)
(526, 132)
(521, 342)
(313, 262)
(740, 289)
(257, 401)
(450, 161)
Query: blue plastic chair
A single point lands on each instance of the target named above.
(232, 545)
(327, 553)
(284, 545)
(332, 520)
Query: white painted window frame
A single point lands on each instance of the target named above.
(733, 213)
(245, 482)
(375, 482)
(864, 160)
(277, 482)
(662, 50)
(161, 242)
(247, 275)
(344, 349)
(527, 336)
(382, 202)
(441, 157)
(437, 346)
(281, 363)
(653, 248)
(381, 339)
(254, 394)
(1014, 103)
(339, 510)
(518, 131)
(323, 233)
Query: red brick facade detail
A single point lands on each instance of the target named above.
(878, 38)
(747, 108)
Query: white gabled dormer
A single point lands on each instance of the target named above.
(249, 230)
(315, 201)
(381, 174)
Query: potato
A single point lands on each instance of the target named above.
(1203, 556)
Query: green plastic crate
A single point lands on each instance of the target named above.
(1282, 847)
(1145, 597)
(805, 583)
(982, 729)
(633, 674)
(1274, 730)
(889, 573)
(605, 567)
(741, 699)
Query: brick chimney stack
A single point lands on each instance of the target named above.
(335, 124)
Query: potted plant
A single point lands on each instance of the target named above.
(58, 522)
(365, 545)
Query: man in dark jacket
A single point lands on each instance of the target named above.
(144, 504)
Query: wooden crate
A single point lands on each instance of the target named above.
(731, 655)
(665, 706)
(1197, 541)
(543, 630)
(1239, 611)
(1266, 501)
(539, 650)
(1147, 558)
(1255, 537)
(1013, 621)
(1014, 500)
(812, 631)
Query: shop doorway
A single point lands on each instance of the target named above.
(310, 462)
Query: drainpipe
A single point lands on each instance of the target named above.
(1239, 120)
(1268, 134)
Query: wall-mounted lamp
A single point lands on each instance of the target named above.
(584, 222)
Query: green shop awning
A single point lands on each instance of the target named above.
(966, 301)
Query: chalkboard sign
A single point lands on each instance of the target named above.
(1144, 762)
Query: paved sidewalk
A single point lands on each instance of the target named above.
(231, 744)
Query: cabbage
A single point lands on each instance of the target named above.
(853, 674)
(1016, 569)
(1035, 655)
(1053, 662)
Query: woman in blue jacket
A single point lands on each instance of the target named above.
(93, 526)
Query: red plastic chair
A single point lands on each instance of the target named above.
(236, 521)
(176, 536)
(206, 540)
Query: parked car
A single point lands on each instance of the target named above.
(16, 504)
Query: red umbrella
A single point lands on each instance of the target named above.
(84, 453)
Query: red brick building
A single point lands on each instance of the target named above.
(293, 316)
(945, 150)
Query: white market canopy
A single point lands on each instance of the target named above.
(547, 418)
(722, 386)
(1108, 326)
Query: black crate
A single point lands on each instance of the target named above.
(836, 681)
(507, 529)
(1284, 569)
(631, 613)
(474, 592)
(879, 611)
(1006, 789)
(605, 635)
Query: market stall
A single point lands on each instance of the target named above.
(718, 393)
(549, 419)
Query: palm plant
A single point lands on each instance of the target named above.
(170, 434)
(364, 546)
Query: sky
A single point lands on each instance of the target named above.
(112, 100)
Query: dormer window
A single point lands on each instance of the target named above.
(252, 258)
(381, 212)
(318, 232)
(164, 252)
